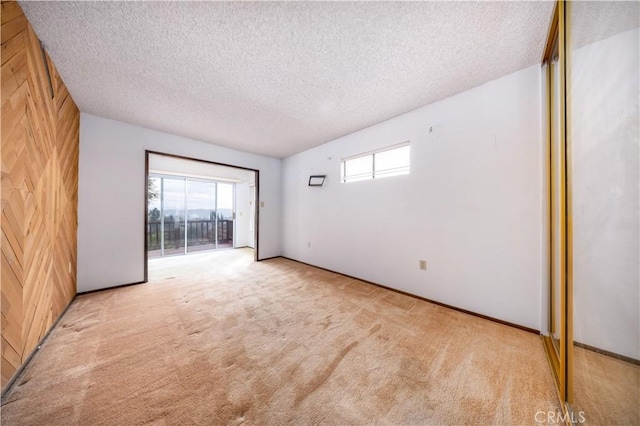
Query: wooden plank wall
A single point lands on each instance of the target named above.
(39, 153)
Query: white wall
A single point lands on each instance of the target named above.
(112, 191)
(251, 242)
(243, 237)
(606, 208)
(471, 206)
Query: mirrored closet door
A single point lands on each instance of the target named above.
(591, 73)
(603, 133)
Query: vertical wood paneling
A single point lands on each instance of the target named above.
(39, 152)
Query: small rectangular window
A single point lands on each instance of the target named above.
(391, 161)
(360, 168)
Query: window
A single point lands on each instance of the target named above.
(392, 161)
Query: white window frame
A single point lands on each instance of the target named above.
(370, 176)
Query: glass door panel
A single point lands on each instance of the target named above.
(201, 215)
(225, 215)
(173, 203)
(188, 215)
(154, 211)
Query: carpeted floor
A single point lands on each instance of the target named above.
(607, 390)
(217, 339)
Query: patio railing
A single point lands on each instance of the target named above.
(198, 232)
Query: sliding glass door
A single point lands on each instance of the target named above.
(187, 215)
(201, 215)
(173, 215)
(154, 214)
(226, 215)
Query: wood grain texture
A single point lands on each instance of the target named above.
(40, 142)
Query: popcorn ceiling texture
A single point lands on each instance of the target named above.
(277, 78)
(592, 21)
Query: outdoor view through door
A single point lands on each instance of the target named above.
(187, 215)
(196, 205)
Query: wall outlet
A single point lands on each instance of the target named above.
(423, 265)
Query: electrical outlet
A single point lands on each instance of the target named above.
(423, 265)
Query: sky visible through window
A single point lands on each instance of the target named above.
(388, 162)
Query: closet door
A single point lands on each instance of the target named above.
(603, 50)
(556, 334)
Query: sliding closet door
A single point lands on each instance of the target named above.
(603, 115)
(592, 69)
(557, 200)
(558, 330)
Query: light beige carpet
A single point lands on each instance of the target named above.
(217, 339)
(607, 390)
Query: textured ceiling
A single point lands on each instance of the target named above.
(277, 78)
(592, 21)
